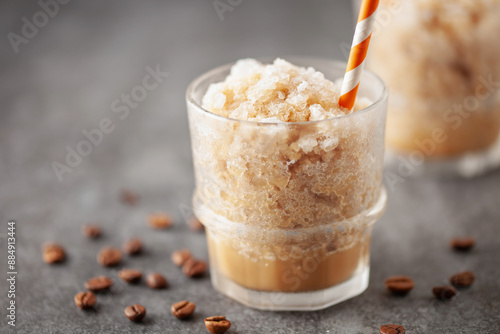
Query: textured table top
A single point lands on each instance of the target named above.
(66, 78)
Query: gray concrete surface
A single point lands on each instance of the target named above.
(66, 78)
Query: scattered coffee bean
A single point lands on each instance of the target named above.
(91, 231)
(99, 283)
(109, 257)
(444, 292)
(195, 225)
(85, 300)
(183, 309)
(399, 285)
(53, 253)
(160, 221)
(129, 197)
(156, 281)
(180, 257)
(194, 268)
(392, 329)
(217, 325)
(133, 246)
(130, 275)
(135, 312)
(463, 244)
(462, 280)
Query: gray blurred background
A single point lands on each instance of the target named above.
(76, 68)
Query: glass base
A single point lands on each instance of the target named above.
(467, 165)
(293, 301)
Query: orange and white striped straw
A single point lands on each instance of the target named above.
(359, 48)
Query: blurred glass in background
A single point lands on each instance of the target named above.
(441, 62)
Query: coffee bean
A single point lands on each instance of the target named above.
(129, 197)
(156, 281)
(463, 244)
(109, 257)
(91, 231)
(462, 280)
(444, 292)
(53, 253)
(85, 300)
(180, 257)
(130, 275)
(217, 325)
(133, 246)
(399, 285)
(99, 283)
(392, 329)
(195, 225)
(135, 312)
(160, 221)
(194, 268)
(183, 309)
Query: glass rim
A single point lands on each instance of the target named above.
(196, 82)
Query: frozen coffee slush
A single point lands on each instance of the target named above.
(441, 62)
(288, 183)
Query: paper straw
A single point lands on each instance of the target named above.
(359, 48)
